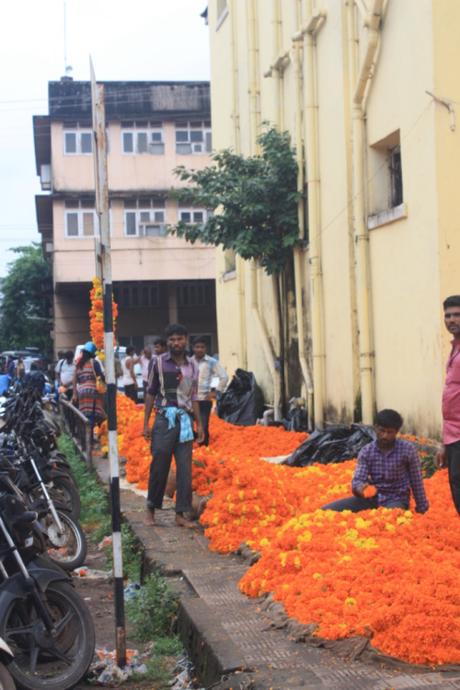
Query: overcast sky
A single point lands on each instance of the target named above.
(139, 39)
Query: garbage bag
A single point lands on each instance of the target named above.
(333, 444)
(241, 403)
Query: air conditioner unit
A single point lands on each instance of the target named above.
(152, 230)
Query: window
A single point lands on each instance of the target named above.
(193, 216)
(78, 142)
(195, 293)
(142, 138)
(80, 219)
(386, 188)
(137, 295)
(396, 191)
(193, 138)
(145, 218)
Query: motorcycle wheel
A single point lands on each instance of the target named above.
(6, 680)
(69, 548)
(62, 490)
(50, 661)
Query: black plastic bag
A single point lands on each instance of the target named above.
(241, 403)
(334, 444)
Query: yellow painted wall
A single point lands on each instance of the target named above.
(413, 260)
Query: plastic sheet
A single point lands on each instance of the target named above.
(333, 444)
(241, 403)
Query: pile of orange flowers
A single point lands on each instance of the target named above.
(96, 315)
(389, 575)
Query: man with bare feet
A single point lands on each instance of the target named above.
(173, 385)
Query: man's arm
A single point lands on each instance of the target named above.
(199, 425)
(441, 457)
(218, 370)
(147, 412)
(361, 476)
(130, 367)
(152, 390)
(416, 482)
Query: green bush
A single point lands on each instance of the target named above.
(153, 610)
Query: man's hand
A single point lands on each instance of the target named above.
(360, 489)
(147, 432)
(441, 459)
(199, 434)
(211, 395)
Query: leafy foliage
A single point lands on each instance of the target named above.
(153, 610)
(254, 202)
(27, 298)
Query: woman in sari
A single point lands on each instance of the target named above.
(85, 392)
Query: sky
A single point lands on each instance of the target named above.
(135, 40)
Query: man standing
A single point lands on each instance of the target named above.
(450, 452)
(173, 384)
(65, 371)
(145, 359)
(390, 465)
(129, 376)
(159, 346)
(210, 370)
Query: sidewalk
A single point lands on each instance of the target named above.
(227, 634)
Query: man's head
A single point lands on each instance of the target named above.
(176, 337)
(387, 426)
(451, 307)
(69, 356)
(129, 351)
(60, 354)
(147, 352)
(199, 347)
(159, 346)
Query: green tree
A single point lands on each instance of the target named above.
(254, 199)
(27, 299)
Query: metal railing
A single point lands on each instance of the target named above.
(79, 428)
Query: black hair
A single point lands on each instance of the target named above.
(389, 419)
(160, 341)
(129, 350)
(200, 340)
(175, 329)
(452, 301)
(61, 354)
(69, 354)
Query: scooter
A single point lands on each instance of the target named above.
(6, 655)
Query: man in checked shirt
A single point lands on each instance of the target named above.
(391, 465)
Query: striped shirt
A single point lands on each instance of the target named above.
(210, 368)
(179, 382)
(394, 473)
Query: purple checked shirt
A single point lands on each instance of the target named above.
(394, 474)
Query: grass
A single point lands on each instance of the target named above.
(152, 612)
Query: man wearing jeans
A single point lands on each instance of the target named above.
(209, 369)
(173, 383)
(450, 452)
(389, 464)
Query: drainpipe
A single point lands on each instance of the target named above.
(255, 117)
(299, 253)
(239, 263)
(308, 35)
(361, 233)
(270, 357)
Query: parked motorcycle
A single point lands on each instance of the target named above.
(6, 655)
(45, 623)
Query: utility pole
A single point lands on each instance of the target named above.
(103, 260)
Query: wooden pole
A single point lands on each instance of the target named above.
(104, 260)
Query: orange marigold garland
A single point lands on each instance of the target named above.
(96, 316)
(390, 575)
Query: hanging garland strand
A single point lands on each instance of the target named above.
(96, 317)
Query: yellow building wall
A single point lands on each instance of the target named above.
(446, 84)
(413, 259)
